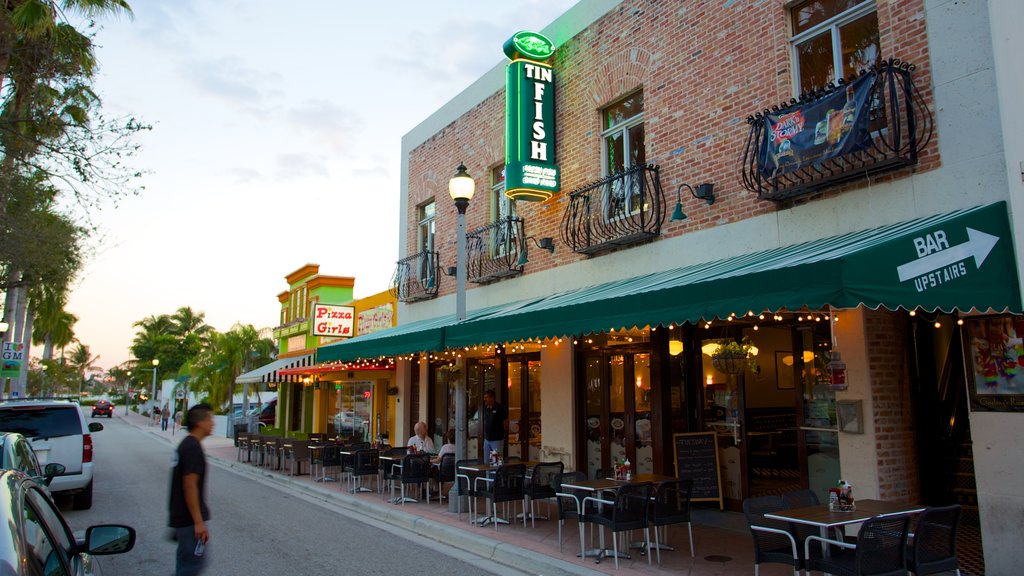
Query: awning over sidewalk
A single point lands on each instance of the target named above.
(962, 260)
(420, 336)
(270, 372)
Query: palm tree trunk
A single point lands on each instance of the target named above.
(27, 341)
(48, 347)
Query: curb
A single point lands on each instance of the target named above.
(508, 555)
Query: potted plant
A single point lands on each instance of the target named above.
(731, 356)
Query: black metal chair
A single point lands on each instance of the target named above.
(330, 457)
(390, 471)
(540, 487)
(242, 442)
(507, 485)
(298, 453)
(601, 473)
(445, 472)
(671, 505)
(416, 472)
(627, 511)
(932, 547)
(569, 503)
(464, 485)
(773, 541)
(880, 550)
(365, 463)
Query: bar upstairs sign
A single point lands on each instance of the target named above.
(530, 170)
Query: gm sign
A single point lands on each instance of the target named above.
(530, 170)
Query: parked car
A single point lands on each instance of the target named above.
(58, 432)
(37, 540)
(17, 454)
(268, 415)
(347, 422)
(103, 408)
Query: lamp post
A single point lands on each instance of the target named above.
(152, 398)
(461, 188)
(127, 387)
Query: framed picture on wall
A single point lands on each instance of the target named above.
(850, 416)
(784, 370)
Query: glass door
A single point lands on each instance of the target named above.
(617, 410)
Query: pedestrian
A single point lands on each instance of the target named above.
(495, 426)
(188, 511)
(154, 415)
(177, 422)
(165, 413)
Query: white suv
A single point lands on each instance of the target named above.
(58, 432)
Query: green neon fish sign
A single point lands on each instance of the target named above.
(529, 45)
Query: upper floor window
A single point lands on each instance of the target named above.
(831, 35)
(503, 210)
(623, 135)
(425, 215)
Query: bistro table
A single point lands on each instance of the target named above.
(594, 486)
(483, 472)
(395, 462)
(826, 519)
(314, 455)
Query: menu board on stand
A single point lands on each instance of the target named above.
(696, 456)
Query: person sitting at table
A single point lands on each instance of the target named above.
(447, 448)
(421, 442)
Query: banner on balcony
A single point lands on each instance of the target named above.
(808, 134)
(530, 170)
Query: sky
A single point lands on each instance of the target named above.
(276, 142)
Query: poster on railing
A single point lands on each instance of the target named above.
(811, 133)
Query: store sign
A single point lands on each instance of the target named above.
(530, 170)
(374, 319)
(333, 321)
(13, 355)
(809, 134)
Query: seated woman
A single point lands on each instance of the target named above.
(447, 448)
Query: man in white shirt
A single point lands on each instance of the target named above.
(421, 442)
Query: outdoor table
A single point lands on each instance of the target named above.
(826, 519)
(483, 472)
(593, 486)
(396, 462)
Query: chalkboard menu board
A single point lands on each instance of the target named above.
(696, 456)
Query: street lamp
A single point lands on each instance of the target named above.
(156, 362)
(461, 188)
(127, 386)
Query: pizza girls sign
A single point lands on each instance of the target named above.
(333, 321)
(530, 169)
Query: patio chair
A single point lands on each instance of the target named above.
(601, 473)
(931, 549)
(415, 471)
(366, 463)
(626, 511)
(540, 485)
(242, 442)
(773, 541)
(389, 473)
(880, 549)
(330, 457)
(445, 472)
(671, 505)
(568, 503)
(507, 486)
(464, 486)
(298, 454)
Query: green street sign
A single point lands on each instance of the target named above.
(529, 45)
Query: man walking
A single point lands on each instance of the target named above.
(495, 425)
(188, 501)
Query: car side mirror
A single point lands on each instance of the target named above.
(51, 470)
(109, 539)
(95, 426)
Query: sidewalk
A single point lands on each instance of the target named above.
(721, 539)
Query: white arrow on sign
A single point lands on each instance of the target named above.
(978, 245)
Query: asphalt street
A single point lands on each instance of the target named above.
(256, 528)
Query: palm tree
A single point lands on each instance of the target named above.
(82, 360)
(225, 356)
(187, 321)
(53, 326)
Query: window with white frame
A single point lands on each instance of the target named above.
(503, 210)
(831, 35)
(425, 240)
(623, 137)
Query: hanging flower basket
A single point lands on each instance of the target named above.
(729, 363)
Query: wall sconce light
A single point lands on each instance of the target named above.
(705, 192)
(546, 243)
(450, 271)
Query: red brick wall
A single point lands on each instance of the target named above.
(887, 336)
(704, 67)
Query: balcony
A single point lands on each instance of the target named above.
(416, 277)
(898, 127)
(620, 210)
(493, 251)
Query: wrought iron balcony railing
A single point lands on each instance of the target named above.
(623, 209)
(897, 128)
(417, 277)
(493, 251)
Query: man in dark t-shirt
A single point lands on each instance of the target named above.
(495, 419)
(188, 493)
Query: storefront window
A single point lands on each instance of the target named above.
(830, 35)
(642, 414)
(515, 409)
(352, 410)
(533, 380)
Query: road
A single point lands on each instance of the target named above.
(255, 528)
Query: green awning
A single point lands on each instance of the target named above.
(962, 260)
(421, 336)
